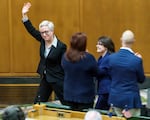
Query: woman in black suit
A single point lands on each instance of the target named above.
(51, 51)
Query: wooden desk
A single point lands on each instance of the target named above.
(41, 112)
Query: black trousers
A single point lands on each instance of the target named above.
(102, 102)
(79, 106)
(45, 90)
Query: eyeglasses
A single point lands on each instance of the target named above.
(45, 32)
(99, 43)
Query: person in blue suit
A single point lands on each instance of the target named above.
(126, 71)
(80, 68)
(105, 47)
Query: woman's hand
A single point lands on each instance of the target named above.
(25, 8)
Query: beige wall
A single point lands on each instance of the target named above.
(20, 52)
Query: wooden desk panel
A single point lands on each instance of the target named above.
(42, 112)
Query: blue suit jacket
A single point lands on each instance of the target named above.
(104, 79)
(79, 79)
(126, 70)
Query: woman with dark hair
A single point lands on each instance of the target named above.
(80, 67)
(105, 47)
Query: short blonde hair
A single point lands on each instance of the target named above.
(50, 24)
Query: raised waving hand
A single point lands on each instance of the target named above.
(26, 8)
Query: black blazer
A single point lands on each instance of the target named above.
(52, 64)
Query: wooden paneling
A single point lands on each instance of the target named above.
(20, 52)
(15, 90)
(17, 94)
(112, 17)
(4, 37)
